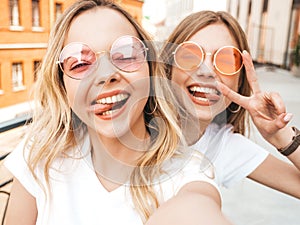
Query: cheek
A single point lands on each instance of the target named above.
(231, 81)
(178, 76)
(72, 87)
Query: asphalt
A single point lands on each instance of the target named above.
(250, 203)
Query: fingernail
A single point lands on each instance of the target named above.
(245, 52)
(288, 117)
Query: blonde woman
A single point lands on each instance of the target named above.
(207, 58)
(104, 145)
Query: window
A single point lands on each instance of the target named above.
(14, 13)
(36, 13)
(36, 65)
(58, 10)
(17, 76)
(265, 6)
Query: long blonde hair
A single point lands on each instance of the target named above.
(53, 128)
(190, 26)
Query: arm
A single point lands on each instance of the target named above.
(22, 207)
(268, 113)
(279, 175)
(195, 204)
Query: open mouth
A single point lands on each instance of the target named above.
(109, 105)
(206, 95)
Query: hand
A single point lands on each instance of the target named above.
(267, 110)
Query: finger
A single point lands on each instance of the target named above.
(288, 117)
(250, 72)
(277, 102)
(232, 95)
(283, 119)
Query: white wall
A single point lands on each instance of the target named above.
(254, 27)
(215, 5)
(267, 39)
(161, 16)
(243, 14)
(278, 20)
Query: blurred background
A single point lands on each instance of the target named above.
(273, 31)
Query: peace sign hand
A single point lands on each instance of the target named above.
(267, 110)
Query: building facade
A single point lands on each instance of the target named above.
(271, 26)
(24, 31)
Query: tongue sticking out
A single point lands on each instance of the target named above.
(204, 93)
(200, 94)
(105, 108)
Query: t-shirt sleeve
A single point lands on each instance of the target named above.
(16, 163)
(197, 170)
(239, 158)
(193, 170)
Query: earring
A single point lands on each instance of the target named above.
(234, 111)
(150, 113)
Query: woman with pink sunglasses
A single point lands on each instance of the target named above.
(105, 146)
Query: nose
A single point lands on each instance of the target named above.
(206, 69)
(106, 72)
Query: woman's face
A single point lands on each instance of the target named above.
(200, 84)
(108, 100)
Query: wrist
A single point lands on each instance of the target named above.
(293, 144)
(283, 137)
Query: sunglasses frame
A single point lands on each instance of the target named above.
(97, 54)
(205, 54)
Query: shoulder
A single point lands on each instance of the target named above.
(182, 171)
(17, 163)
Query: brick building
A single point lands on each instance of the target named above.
(24, 32)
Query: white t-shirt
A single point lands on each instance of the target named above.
(233, 155)
(78, 198)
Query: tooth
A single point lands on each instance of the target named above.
(203, 90)
(123, 96)
(119, 98)
(114, 99)
(109, 112)
(101, 101)
(202, 99)
(108, 100)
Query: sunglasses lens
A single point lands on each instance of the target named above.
(77, 60)
(188, 56)
(228, 60)
(128, 53)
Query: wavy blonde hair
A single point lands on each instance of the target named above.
(52, 132)
(190, 26)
